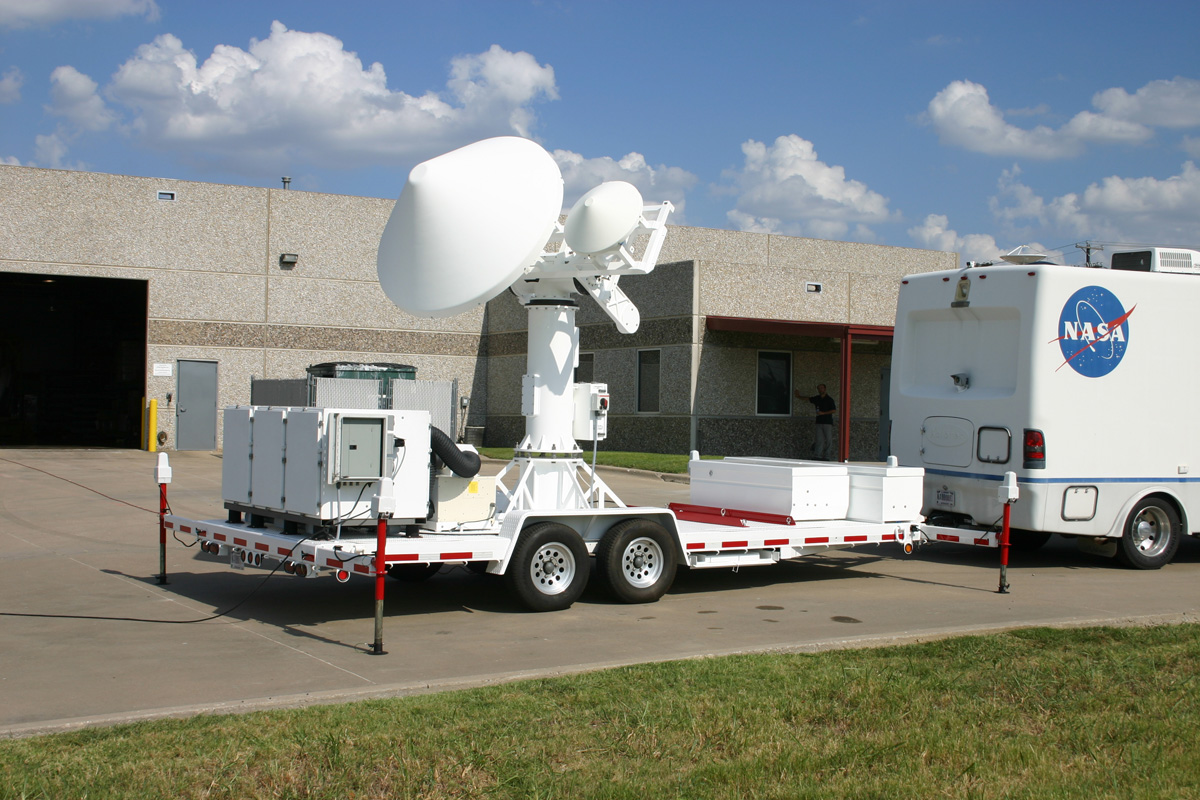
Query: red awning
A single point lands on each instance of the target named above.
(828, 330)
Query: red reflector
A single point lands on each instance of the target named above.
(263, 547)
(332, 562)
(817, 540)
(775, 542)
(404, 557)
(185, 529)
(362, 568)
(942, 537)
(735, 544)
(889, 537)
(456, 556)
(696, 546)
(855, 539)
(982, 542)
(219, 537)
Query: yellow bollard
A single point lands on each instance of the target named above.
(152, 426)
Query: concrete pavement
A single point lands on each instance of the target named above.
(78, 539)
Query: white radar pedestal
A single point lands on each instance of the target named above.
(484, 218)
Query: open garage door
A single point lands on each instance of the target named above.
(72, 360)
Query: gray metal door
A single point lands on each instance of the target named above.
(196, 406)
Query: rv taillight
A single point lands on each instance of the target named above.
(1035, 449)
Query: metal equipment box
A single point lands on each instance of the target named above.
(802, 490)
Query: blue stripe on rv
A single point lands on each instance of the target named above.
(998, 478)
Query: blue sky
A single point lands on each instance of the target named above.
(966, 126)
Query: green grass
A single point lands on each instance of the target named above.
(1086, 713)
(655, 462)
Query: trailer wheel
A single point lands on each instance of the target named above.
(636, 560)
(1027, 541)
(412, 573)
(1151, 535)
(549, 567)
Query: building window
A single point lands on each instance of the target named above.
(774, 383)
(586, 368)
(648, 380)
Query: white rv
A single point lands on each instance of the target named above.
(1084, 382)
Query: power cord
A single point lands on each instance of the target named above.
(224, 613)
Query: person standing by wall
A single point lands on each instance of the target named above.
(823, 429)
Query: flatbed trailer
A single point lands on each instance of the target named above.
(739, 543)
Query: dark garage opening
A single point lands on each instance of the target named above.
(72, 360)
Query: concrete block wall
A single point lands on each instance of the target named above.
(216, 288)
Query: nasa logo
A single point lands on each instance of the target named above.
(1093, 331)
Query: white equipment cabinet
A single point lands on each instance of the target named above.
(325, 465)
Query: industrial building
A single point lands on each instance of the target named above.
(115, 290)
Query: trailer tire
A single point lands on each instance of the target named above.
(413, 573)
(1027, 541)
(549, 567)
(636, 560)
(1151, 535)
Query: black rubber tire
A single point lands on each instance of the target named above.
(413, 573)
(636, 561)
(1027, 541)
(1152, 534)
(549, 567)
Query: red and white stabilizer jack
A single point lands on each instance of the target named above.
(1007, 494)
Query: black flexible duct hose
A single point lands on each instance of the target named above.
(462, 463)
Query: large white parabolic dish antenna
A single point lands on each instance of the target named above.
(467, 224)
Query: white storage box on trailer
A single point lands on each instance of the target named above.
(884, 493)
(802, 490)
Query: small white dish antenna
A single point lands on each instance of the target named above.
(603, 218)
(1023, 255)
(467, 224)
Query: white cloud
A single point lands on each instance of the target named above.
(963, 116)
(23, 13)
(1169, 104)
(1191, 146)
(1136, 209)
(936, 234)
(1144, 209)
(302, 97)
(50, 150)
(785, 188)
(655, 183)
(74, 98)
(12, 161)
(10, 85)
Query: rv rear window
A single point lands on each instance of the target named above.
(1136, 261)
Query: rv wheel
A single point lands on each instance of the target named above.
(1151, 535)
(549, 567)
(636, 560)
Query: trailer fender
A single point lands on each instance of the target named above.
(590, 524)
